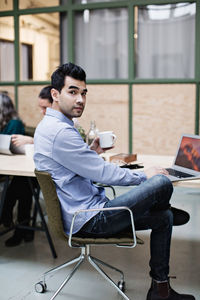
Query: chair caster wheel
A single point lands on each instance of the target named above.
(121, 285)
(40, 287)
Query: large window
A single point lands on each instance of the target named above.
(165, 41)
(101, 42)
(143, 48)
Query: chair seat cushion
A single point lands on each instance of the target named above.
(118, 239)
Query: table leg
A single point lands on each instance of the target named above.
(2, 200)
(5, 187)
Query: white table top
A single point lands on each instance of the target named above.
(20, 165)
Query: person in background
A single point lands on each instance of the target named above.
(10, 122)
(44, 100)
(75, 166)
(19, 188)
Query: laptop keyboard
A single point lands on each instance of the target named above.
(178, 173)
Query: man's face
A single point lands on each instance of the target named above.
(72, 98)
(43, 104)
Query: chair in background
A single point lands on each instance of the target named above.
(55, 222)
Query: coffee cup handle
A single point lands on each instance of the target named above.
(114, 137)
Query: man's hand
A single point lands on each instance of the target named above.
(154, 171)
(19, 139)
(96, 147)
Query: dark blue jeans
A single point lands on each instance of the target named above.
(149, 203)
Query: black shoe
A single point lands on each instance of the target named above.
(18, 236)
(14, 240)
(28, 235)
(163, 291)
(181, 217)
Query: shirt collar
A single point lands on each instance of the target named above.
(55, 113)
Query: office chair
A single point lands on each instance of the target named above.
(55, 222)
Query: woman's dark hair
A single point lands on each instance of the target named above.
(45, 93)
(68, 69)
(7, 110)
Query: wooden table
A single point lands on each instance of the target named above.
(164, 161)
(19, 165)
(22, 165)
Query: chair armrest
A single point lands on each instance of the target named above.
(108, 186)
(104, 209)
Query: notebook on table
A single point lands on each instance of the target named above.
(7, 147)
(186, 165)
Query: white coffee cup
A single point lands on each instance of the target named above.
(29, 150)
(106, 139)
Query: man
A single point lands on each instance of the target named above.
(74, 166)
(44, 100)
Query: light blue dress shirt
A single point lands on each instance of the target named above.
(61, 151)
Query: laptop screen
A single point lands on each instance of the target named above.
(188, 155)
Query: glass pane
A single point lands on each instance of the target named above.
(39, 33)
(26, 61)
(7, 49)
(6, 5)
(168, 109)
(23, 4)
(165, 41)
(101, 42)
(28, 105)
(109, 115)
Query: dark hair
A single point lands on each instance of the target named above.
(45, 93)
(68, 69)
(7, 110)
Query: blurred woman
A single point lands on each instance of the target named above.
(10, 122)
(18, 189)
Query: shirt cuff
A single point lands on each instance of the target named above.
(142, 176)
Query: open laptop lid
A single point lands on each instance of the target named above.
(187, 158)
(6, 146)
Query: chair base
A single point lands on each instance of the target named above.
(41, 287)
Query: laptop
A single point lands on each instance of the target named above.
(7, 147)
(186, 165)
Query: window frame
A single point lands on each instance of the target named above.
(70, 8)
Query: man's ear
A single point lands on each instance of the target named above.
(55, 94)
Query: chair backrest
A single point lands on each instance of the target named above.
(51, 202)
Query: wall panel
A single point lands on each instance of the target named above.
(161, 113)
(108, 106)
